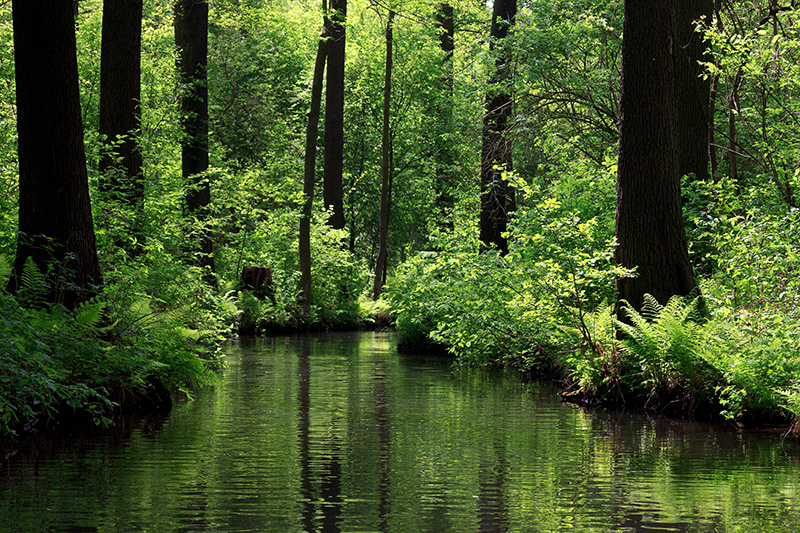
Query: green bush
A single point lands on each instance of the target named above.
(122, 340)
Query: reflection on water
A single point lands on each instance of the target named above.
(341, 434)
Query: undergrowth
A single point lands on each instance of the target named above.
(121, 343)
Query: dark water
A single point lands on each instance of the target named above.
(342, 434)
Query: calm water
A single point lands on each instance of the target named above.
(341, 434)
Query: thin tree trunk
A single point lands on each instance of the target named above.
(55, 215)
(496, 193)
(712, 142)
(649, 223)
(383, 235)
(121, 179)
(304, 242)
(191, 37)
(334, 115)
(733, 110)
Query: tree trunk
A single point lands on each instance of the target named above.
(649, 225)
(334, 115)
(191, 38)
(55, 215)
(386, 167)
(304, 241)
(445, 157)
(121, 179)
(692, 91)
(496, 194)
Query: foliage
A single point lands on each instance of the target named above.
(124, 340)
(548, 303)
(522, 309)
(663, 352)
(754, 67)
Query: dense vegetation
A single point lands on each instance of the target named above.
(547, 305)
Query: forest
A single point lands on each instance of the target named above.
(591, 191)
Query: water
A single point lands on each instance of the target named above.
(341, 434)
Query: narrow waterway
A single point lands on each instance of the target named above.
(339, 433)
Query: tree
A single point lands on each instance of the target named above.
(497, 197)
(386, 166)
(56, 229)
(304, 241)
(191, 38)
(649, 225)
(692, 91)
(445, 157)
(121, 178)
(334, 114)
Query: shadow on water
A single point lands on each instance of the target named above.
(339, 433)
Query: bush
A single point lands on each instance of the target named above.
(123, 340)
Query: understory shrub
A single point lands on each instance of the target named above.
(527, 309)
(121, 340)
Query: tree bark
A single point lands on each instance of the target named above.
(445, 157)
(497, 197)
(649, 223)
(692, 91)
(121, 179)
(304, 240)
(55, 216)
(191, 38)
(386, 167)
(334, 115)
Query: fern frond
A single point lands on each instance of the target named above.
(88, 314)
(32, 286)
(5, 270)
(651, 309)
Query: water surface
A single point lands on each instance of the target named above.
(339, 433)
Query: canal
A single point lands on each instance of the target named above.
(340, 433)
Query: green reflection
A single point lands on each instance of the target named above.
(340, 433)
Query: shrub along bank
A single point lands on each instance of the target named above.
(546, 308)
(125, 349)
(155, 329)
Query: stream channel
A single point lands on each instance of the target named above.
(340, 433)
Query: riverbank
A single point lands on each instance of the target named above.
(735, 364)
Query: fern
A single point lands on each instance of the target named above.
(89, 314)
(5, 271)
(667, 346)
(32, 288)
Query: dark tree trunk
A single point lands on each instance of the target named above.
(445, 158)
(191, 38)
(497, 197)
(334, 115)
(304, 240)
(121, 179)
(733, 147)
(649, 224)
(55, 215)
(386, 166)
(692, 91)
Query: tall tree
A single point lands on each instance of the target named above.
(191, 38)
(649, 224)
(304, 239)
(55, 216)
(386, 165)
(497, 196)
(121, 178)
(334, 114)
(693, 92)
(445, 158)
